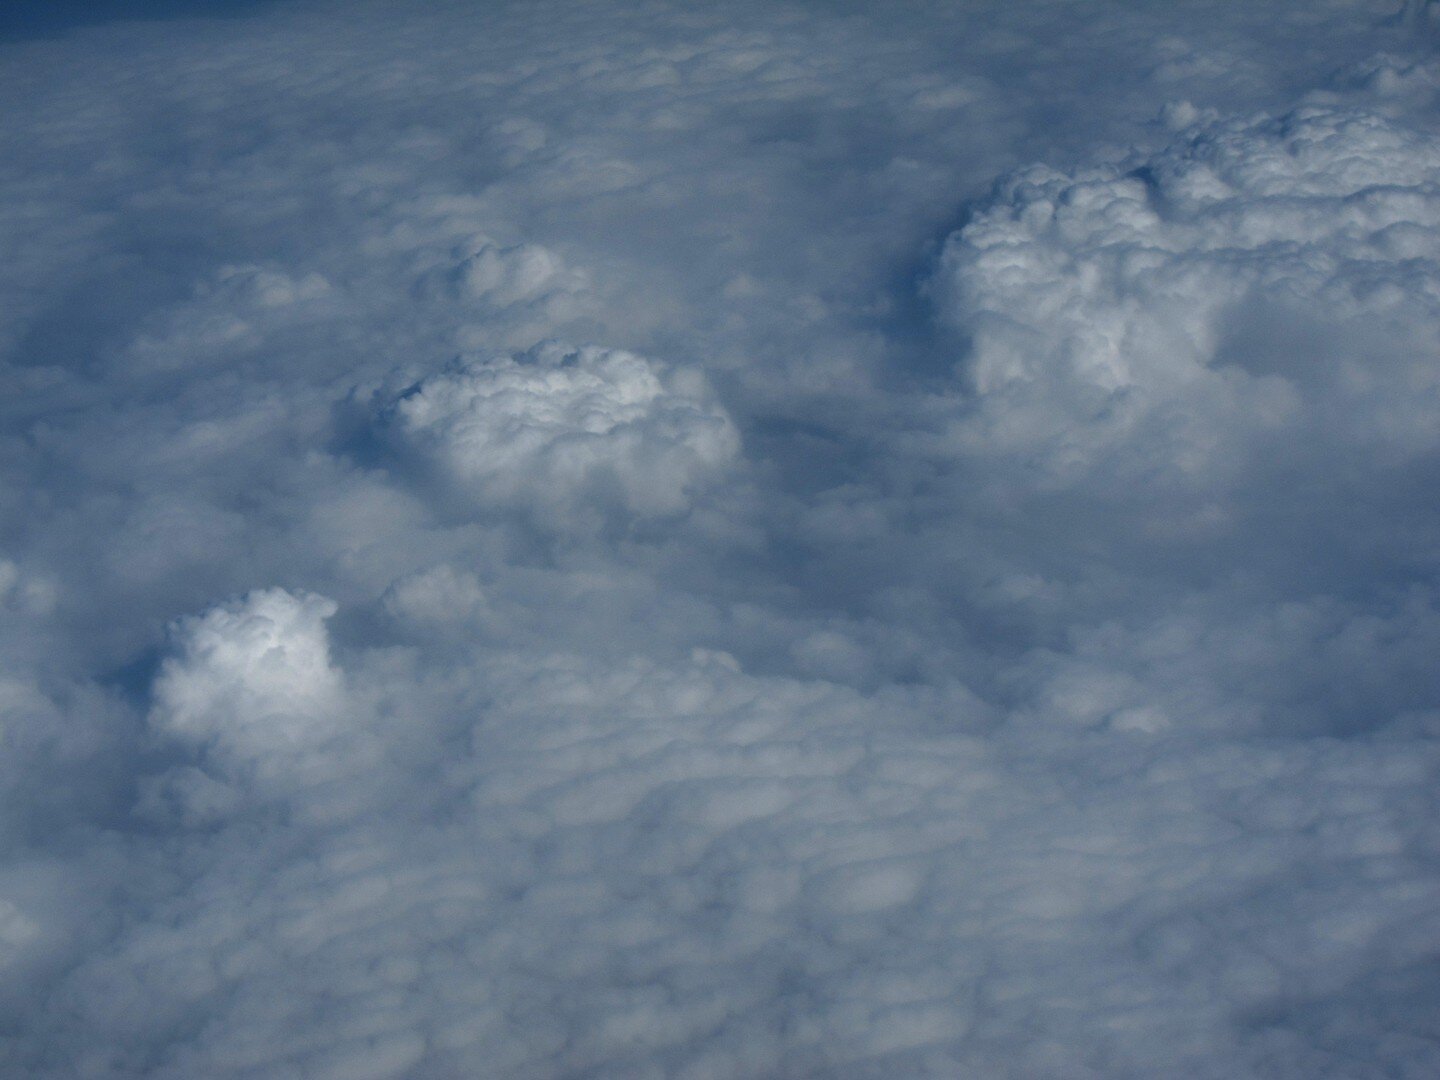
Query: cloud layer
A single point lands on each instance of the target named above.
(562, 540)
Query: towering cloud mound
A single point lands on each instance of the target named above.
(553, 430)
(1161, 315)
(252, 679)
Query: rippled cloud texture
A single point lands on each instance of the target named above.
(759, 540)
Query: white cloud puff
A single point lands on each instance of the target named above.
(251, 678)
(555, 428)
(1271, 273)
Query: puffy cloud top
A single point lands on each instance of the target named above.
(1211, 289)
(252, 677)
(555, 427)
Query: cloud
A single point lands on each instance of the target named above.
(559, 428)
(252, 677)
(692, 868)
(523, 289)
(777, 540)
(1182, 308)
(253, 697)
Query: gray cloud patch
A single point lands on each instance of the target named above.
(557, 541)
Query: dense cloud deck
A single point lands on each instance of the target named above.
(781, 540)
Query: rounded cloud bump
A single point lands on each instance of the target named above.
(1161, 314)
(560, 431)
(251, 678)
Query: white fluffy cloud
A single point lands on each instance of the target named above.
(557, 427)
(962, 603)
(252, 696)
(1257, 281)
(252, 677)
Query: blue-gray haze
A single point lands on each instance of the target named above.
(748, 540)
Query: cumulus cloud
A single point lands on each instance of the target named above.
(552, 540)
(558, 428)
(1257, 276)
(252, 697)
(252, 677)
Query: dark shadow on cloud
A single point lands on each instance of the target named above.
(27, 20)
(133, 680)
(77, 330)
(926, 354)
